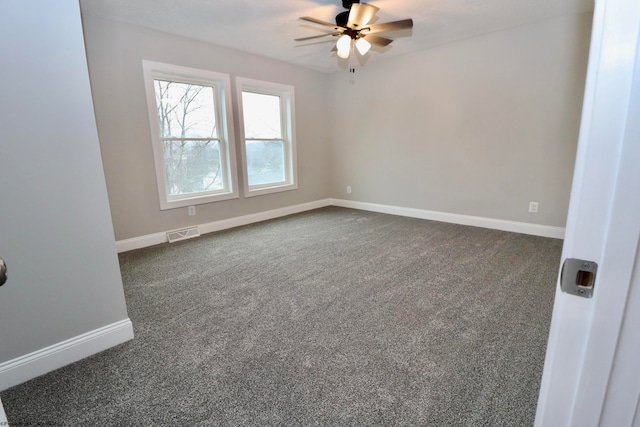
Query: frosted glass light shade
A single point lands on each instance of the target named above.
(344, 45)
(363, 46)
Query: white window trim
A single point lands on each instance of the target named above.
(157, 70)
(287, 108)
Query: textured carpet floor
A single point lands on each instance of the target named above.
(330, 317)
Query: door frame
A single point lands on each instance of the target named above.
(603, 225)
(3, 416)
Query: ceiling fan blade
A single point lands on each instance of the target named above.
(389, 26)
(315, 37)
(321, 22)
(377, 40)
(361, 14)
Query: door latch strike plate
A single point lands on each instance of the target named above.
(578, 277)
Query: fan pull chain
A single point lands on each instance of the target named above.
(352, 58)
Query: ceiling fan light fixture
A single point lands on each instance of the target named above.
(357, 29)
(363, 46)
(344, 46)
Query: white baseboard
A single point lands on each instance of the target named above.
(475, 221)
(262, 216)
(158, 238)
(40, 362)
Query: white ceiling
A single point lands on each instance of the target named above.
(269, 27)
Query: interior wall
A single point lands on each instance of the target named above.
(115, 52)
(478, 127)
(55, 229)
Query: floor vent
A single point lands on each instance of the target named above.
(182, 234)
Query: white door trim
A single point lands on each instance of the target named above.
(603, 225)
(3, 416)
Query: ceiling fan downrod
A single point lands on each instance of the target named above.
(347, 3)
(343, 17)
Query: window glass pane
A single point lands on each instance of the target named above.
(192, 166)
(261, 115)
(265, 162)
(185, 110)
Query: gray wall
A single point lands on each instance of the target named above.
(477, 127)
(55, 228)
(115, 52)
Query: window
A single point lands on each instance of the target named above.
(191, 132)
(267, 126)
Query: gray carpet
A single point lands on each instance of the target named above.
(330, 317)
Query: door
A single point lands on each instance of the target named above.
(589, 342)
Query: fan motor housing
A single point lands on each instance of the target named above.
(343, 17)
(347, 3)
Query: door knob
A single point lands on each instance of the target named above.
(3, 272)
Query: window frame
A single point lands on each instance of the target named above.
(286, 94)
(224, 121)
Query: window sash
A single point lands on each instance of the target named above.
(224, 154)
(286, 112)
(192, 123)
(201, 193)
(282, 119)
(286, 170)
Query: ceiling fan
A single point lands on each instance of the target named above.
(354, 29)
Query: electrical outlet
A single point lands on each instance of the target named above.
(191, 210)
(533, 207)
(348, 189)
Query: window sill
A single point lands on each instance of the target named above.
(269, 190)
(192, 201)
